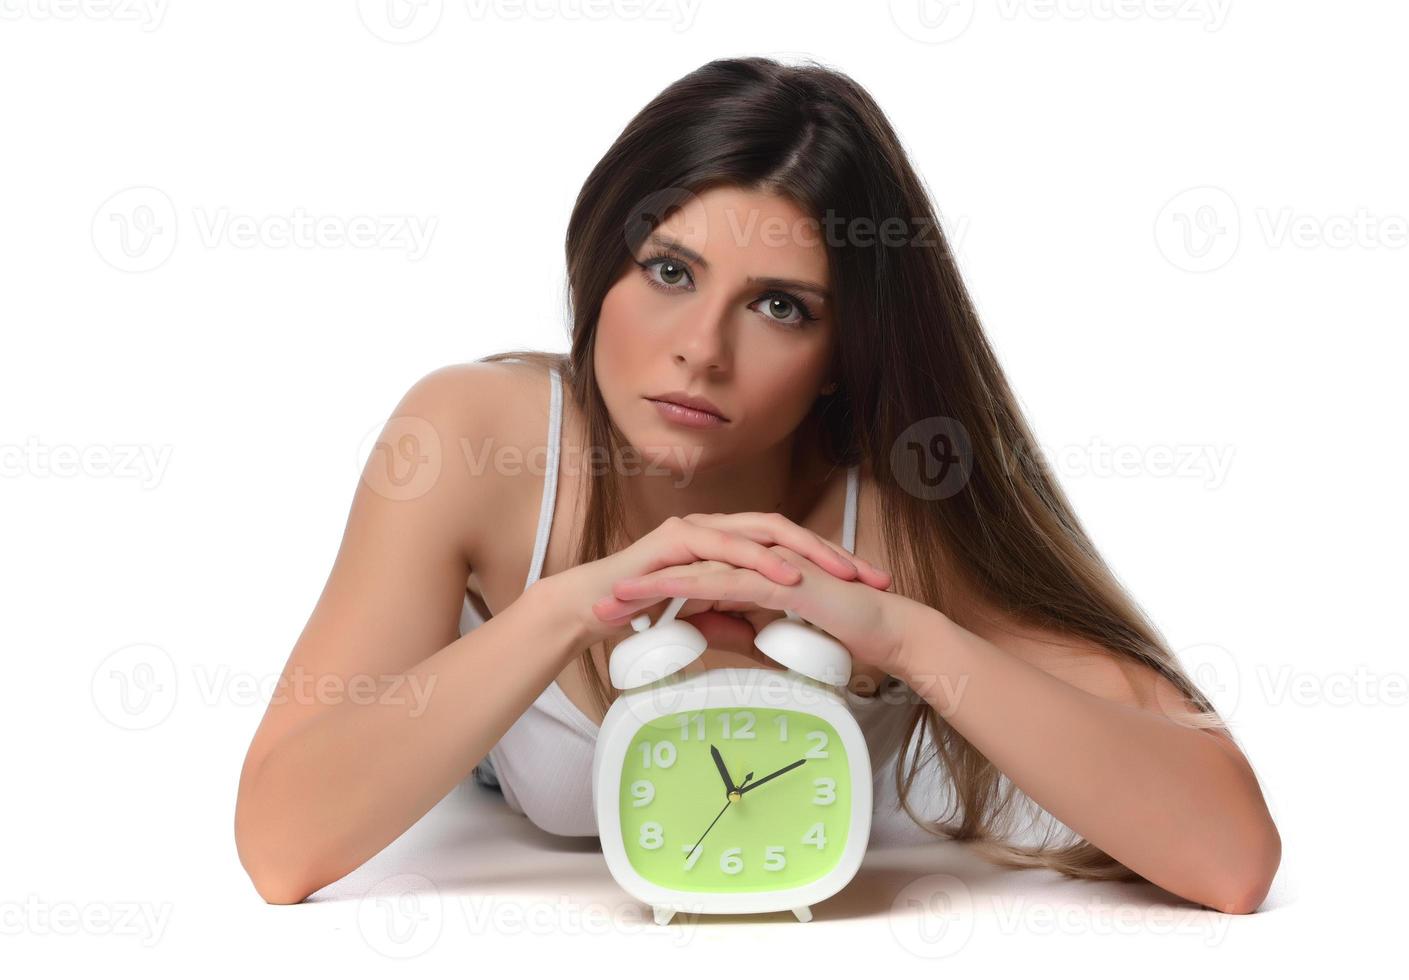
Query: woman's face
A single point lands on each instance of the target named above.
(699, 312)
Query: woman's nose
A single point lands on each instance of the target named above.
(702, 341)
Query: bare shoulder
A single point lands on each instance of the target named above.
(476, 427)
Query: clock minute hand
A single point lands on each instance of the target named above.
(772, 775)
(717, 816)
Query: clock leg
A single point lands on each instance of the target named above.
(803, 913)
(662, 914)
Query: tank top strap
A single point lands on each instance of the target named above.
(853, 484)
(550, 476)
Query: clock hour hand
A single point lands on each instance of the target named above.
(719, 762)
(772, 775)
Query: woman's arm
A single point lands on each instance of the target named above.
(1085, 736)
(354, 777)
(381, 709)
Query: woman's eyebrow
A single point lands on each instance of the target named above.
(800, 285)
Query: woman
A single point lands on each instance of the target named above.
(770, 341)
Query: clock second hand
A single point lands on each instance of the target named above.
(716, 817)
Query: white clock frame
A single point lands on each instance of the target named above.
(727, 688)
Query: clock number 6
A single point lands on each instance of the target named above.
(730, 862)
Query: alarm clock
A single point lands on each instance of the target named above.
(731, 790)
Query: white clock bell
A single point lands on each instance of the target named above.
(732, 790)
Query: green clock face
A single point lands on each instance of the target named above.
(786, 826)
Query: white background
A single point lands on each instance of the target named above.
(1185, 226)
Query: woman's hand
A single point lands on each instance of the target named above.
(746, 540)
(869, 622)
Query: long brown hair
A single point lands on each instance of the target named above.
(910, 350)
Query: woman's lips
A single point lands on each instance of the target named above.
(691, 418)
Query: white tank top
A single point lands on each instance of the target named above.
(543, 763)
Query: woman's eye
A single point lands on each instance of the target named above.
(788, 307)
(665, 272)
